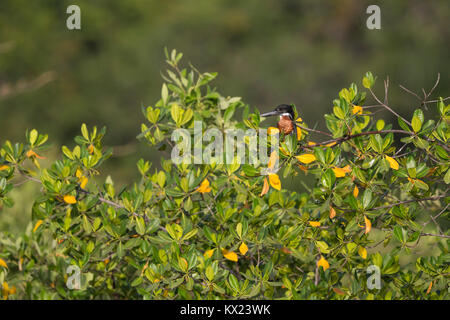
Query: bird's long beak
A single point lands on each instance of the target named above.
(271, 113)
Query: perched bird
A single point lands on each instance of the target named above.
(286, 124)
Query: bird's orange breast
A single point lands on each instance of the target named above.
(285, 125)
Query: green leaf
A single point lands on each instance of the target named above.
(403, 124)
(210, 273)
(190, 234)
(416, 124)
(84, 132)
(380, 124)
(164, 94)
(447, 177)
(239, 230)
(33, 136)
(367, 198)
(400, 234)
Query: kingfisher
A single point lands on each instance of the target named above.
(286, 124)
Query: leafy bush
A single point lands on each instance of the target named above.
(223, 231)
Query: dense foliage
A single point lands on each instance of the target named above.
(195, 231)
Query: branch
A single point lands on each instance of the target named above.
(388, 108)
(408, 201)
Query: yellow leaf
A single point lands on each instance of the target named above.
(83, 182)
(70, 199)
(5, 289)
(357, 110)
(299, 133)
(265, 188)
(323, 263)
(4, 167)
(392, 162)
(204, 187)
(306, 158)
(368, 224)
(243, 248)
(272, 159)
(275, 181)
(339, 172)
(314, 223)
(355, 191)
(37, 225)
(272, 130)
(362, 252)
(230, 255)
(3, 263)
(332, 212)
(79, 174)
(209, 253)
(330, 144)
(310, 143)
(299, 119)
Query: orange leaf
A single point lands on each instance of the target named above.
(347, 169)
(243, 248)
(83, 182)
(3, 263)
(275, 181)
(355, 191)
(429, 287)
(13, 290)
(37, 225)
(368, 224)
(209, 253)
(91, 149)
(323, 263)
(70, 199)
(357, 110)
(204, 187)
(303, 168)
(31, 153)
(332, 212)
(339, 291)
(314, 223)
(286, 250)
(265, 188)
(230, 255)
(4, 167)
(306, 158)
(339, 172)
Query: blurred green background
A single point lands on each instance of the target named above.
(267, 52)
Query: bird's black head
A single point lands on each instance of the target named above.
(280, 110)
